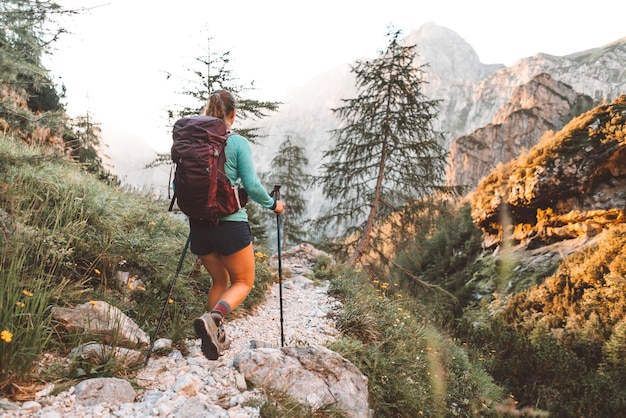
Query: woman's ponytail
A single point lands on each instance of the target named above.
(220, 104)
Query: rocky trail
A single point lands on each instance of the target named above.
(188, 385)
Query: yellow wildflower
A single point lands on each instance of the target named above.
(27, 293)
(20, 304)
(97, 271)
(93, 302)
(170, 300)
(6, 336)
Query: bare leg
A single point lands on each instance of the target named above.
(237, 270)
(221, 279)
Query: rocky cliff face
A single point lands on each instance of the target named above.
(473, 95)
(541, 105)
(597, 73)
(571, 185)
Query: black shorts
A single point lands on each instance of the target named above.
(226, 238)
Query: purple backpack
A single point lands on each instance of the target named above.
(201, 188)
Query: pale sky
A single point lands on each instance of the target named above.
(114, 62)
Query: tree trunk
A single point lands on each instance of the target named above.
(369, 226)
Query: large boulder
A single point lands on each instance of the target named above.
(314, 376)
(109, 391)
(104, 321)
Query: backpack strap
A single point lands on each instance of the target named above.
(171, 208)
(170, 187)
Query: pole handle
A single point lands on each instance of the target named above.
(276, 192)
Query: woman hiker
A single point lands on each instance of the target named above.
(226, 250)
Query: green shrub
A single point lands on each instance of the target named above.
(284, 406)
(413, 369)
(34, 247)
(24, 315)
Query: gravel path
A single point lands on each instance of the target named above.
(176, 385)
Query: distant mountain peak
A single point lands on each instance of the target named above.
(448, 55)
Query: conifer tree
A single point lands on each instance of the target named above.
(27, 30)
(83, 142)
(387, 158)
(212, 72)
(30, 105)
(290, 167)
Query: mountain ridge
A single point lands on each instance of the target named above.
(468, 102)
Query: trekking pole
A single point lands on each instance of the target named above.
(276, 194)
(167, 300)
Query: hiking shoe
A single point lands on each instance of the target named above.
(210, 330)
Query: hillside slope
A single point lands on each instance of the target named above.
(539, 106)
(554, 221)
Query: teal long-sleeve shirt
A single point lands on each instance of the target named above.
(240, 165)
